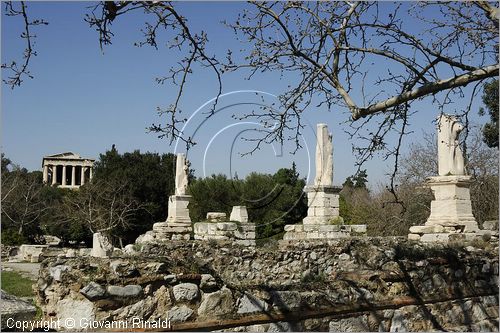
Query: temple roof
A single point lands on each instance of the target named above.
(66, 156)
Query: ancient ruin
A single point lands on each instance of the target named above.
(238, 229)
(323, 219)
(451, 210)
(178, 224)
(67, 170)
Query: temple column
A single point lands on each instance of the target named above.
(82, 175)
(54, 174)
(90, 173)
(64, 176)
(73, 175)
(45, 174)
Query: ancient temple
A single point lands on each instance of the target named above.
(67, 170)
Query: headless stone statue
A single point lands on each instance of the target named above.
(181, 175)
(324, 156)
(450, 157)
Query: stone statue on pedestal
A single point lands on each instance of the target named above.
(178, 223)
(450, 156)
(451, 210)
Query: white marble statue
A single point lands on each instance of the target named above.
(181, 175)
(324, 156)
(450, 157)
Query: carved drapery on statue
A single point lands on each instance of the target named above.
(450, 156)
(324, 156)
(181, 175)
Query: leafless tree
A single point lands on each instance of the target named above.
(22, 202)
(333, 54)
(19, 71)
(101, 206)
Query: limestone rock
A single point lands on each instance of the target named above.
(148, 237)
(75, 312)
(93, 291)
(353, 324)
(142, 309)
(56, 272)
(15, 308)
(249, 304)
(185, 292)
(207, 282)
(123, 268)
(286, 300)
(129, 249)
(163, 302)
(179, 314)
(128, 291)
(216, 303)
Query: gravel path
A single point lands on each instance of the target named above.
(30, 270)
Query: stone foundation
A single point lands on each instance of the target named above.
(317, 231)
(239, 233)
(172, 231)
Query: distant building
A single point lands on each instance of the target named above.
(68, 170)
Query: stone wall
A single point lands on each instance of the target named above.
(239, 233)
(357, 284)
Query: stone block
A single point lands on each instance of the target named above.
(441, 237)
(239, 213)
(329, 228)
(316, 220)
(128, 291)
(178, 209)
(359, 228)
(427, 229)
(414, 237)
(200, 228)
(227, 226)
(289, 227)
(216, 216)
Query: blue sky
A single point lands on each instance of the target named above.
(84, 100)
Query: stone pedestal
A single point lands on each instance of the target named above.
(323, 203)
(451, 211)
(323, 219)
(178, 225)
(239, 214)
(178, 211)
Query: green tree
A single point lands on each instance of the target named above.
(358, 180)
(490, 100)
(272, 200)
(150, 178)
